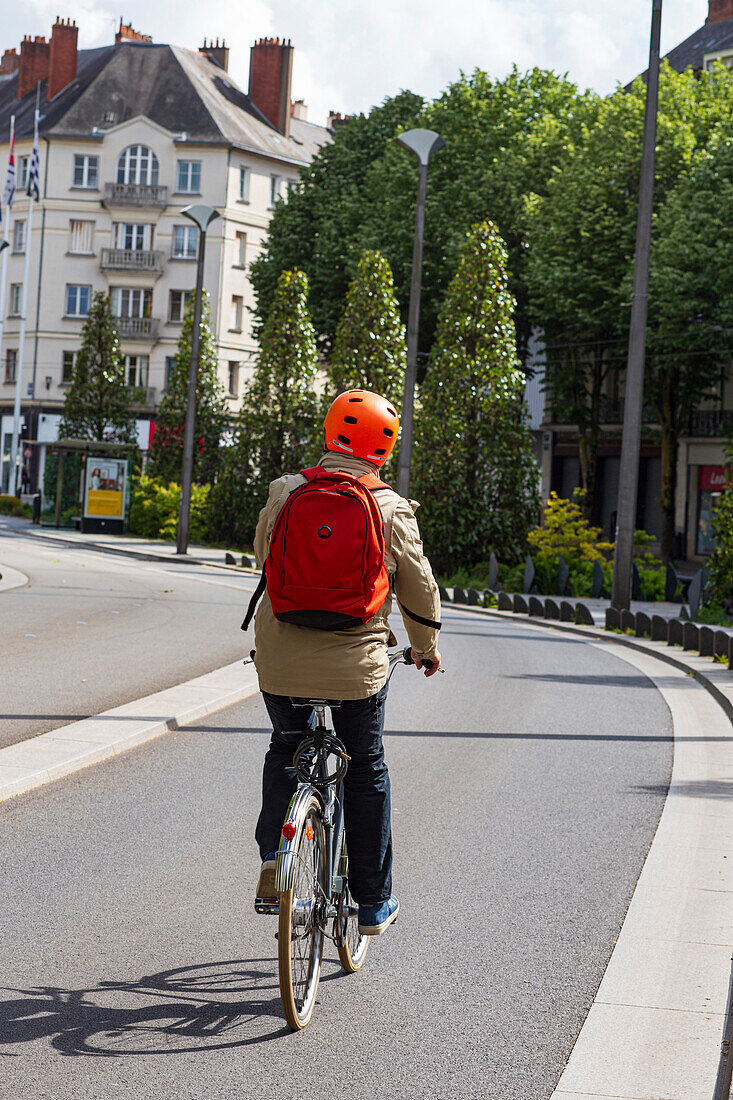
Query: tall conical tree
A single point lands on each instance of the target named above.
(369, 351)
(166, 453)
(474, 467)
(99, 403)
(276, 431)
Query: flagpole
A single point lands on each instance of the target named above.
(4, 259)
(15, 440)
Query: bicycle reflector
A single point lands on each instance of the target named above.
(289, 830)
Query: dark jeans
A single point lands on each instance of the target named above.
(359, 724)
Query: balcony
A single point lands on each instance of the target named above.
(710, 423)
(135, 194)
(132, 259)
(138, 328)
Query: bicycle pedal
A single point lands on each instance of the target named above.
(269, 907)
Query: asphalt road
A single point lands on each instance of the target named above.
(92, 631)
(527, 785)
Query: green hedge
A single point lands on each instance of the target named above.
(11, 506)
(154, 510)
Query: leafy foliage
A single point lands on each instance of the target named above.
(12, 506)
(166, 452)
(720, 565)
(369, 351)
(473, 464)
(275, 432)
(565, 530)
(154, 510)
(99, 402)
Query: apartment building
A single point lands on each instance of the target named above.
(131, 133)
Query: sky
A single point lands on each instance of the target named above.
(352, 54)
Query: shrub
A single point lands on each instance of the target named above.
(565, 531)
(720, 584)
(11, 506)
(154, 510)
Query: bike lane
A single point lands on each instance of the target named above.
(527, 785)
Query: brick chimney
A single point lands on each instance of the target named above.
(62, 56)
(34, 63)
(270, 77)
(127, 33)
(9, 63)
(719, 11)
(217, 53)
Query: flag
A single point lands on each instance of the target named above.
(9, 192)
(33, 188)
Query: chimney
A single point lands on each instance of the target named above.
(9, 63)
(719, 11)
(336, 119)
(270, 77)
(299, 110)
(127, 33)
(62, 56)
(33, 64)
(218, 54)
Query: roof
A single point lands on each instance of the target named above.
(710, 38)
(183, 91)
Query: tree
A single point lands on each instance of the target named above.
(369, 351)
(166, 452)
(275, 431)
(583, 233)
(474, 467)
(99, 403)
(691, 306)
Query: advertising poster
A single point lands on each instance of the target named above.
(106, 484)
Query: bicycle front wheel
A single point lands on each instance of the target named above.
(302, 912)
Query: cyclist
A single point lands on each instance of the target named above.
(350, 665)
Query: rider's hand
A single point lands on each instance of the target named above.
(420, 662)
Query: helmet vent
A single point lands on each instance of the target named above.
(356, 400)
(380, 450)
(344, 439)
(388, 432)
(391, 411)
(352, 420)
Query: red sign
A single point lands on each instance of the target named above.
(712, 479)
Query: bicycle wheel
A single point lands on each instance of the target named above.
(301, 916)
(350, 944)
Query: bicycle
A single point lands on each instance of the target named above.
(312, 872)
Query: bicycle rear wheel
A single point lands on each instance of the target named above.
(350, 944)
(301, 915)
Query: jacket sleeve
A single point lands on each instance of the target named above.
(415, 586)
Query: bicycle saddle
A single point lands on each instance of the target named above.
(332, 703)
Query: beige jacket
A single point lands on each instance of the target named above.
(346, 664)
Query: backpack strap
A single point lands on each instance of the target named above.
(418, 618)
(261, 585)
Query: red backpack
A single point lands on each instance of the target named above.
(325, 565)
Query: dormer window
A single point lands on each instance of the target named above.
(725, 57)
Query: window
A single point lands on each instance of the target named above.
(237, 310)
(725, 57)
(188, 177)
(68, 358)
(77, 300)
(23, 166)
(136, 369)
(244, 184)
(138, 165)
(19, 235)
(81, 237)
(274, 189)
(179, 299)
(127, 301)
(169, 364)
(241, 250)
(184, 242)
(15, 299)
(11, 364)
(233, 379)
(86, 171)
(132, 236)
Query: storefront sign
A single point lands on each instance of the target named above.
(712, 479)
(105, 487)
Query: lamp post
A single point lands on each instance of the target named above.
(423, 143)
(202, 216)
(631, 440)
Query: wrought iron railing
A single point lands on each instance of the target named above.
(710, 423)
(135, 194)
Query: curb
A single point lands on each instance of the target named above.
(62, 751)
(11, 578)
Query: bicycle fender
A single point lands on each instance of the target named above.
(285, 869)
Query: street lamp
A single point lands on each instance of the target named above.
(631, 439)
(423, 143)
(202, 216)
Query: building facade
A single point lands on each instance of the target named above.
(131, 134)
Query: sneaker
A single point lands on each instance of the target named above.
(266, 885)
(375, 919)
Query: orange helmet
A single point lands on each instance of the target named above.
(362, 424)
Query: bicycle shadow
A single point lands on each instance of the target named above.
(209, 1006)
